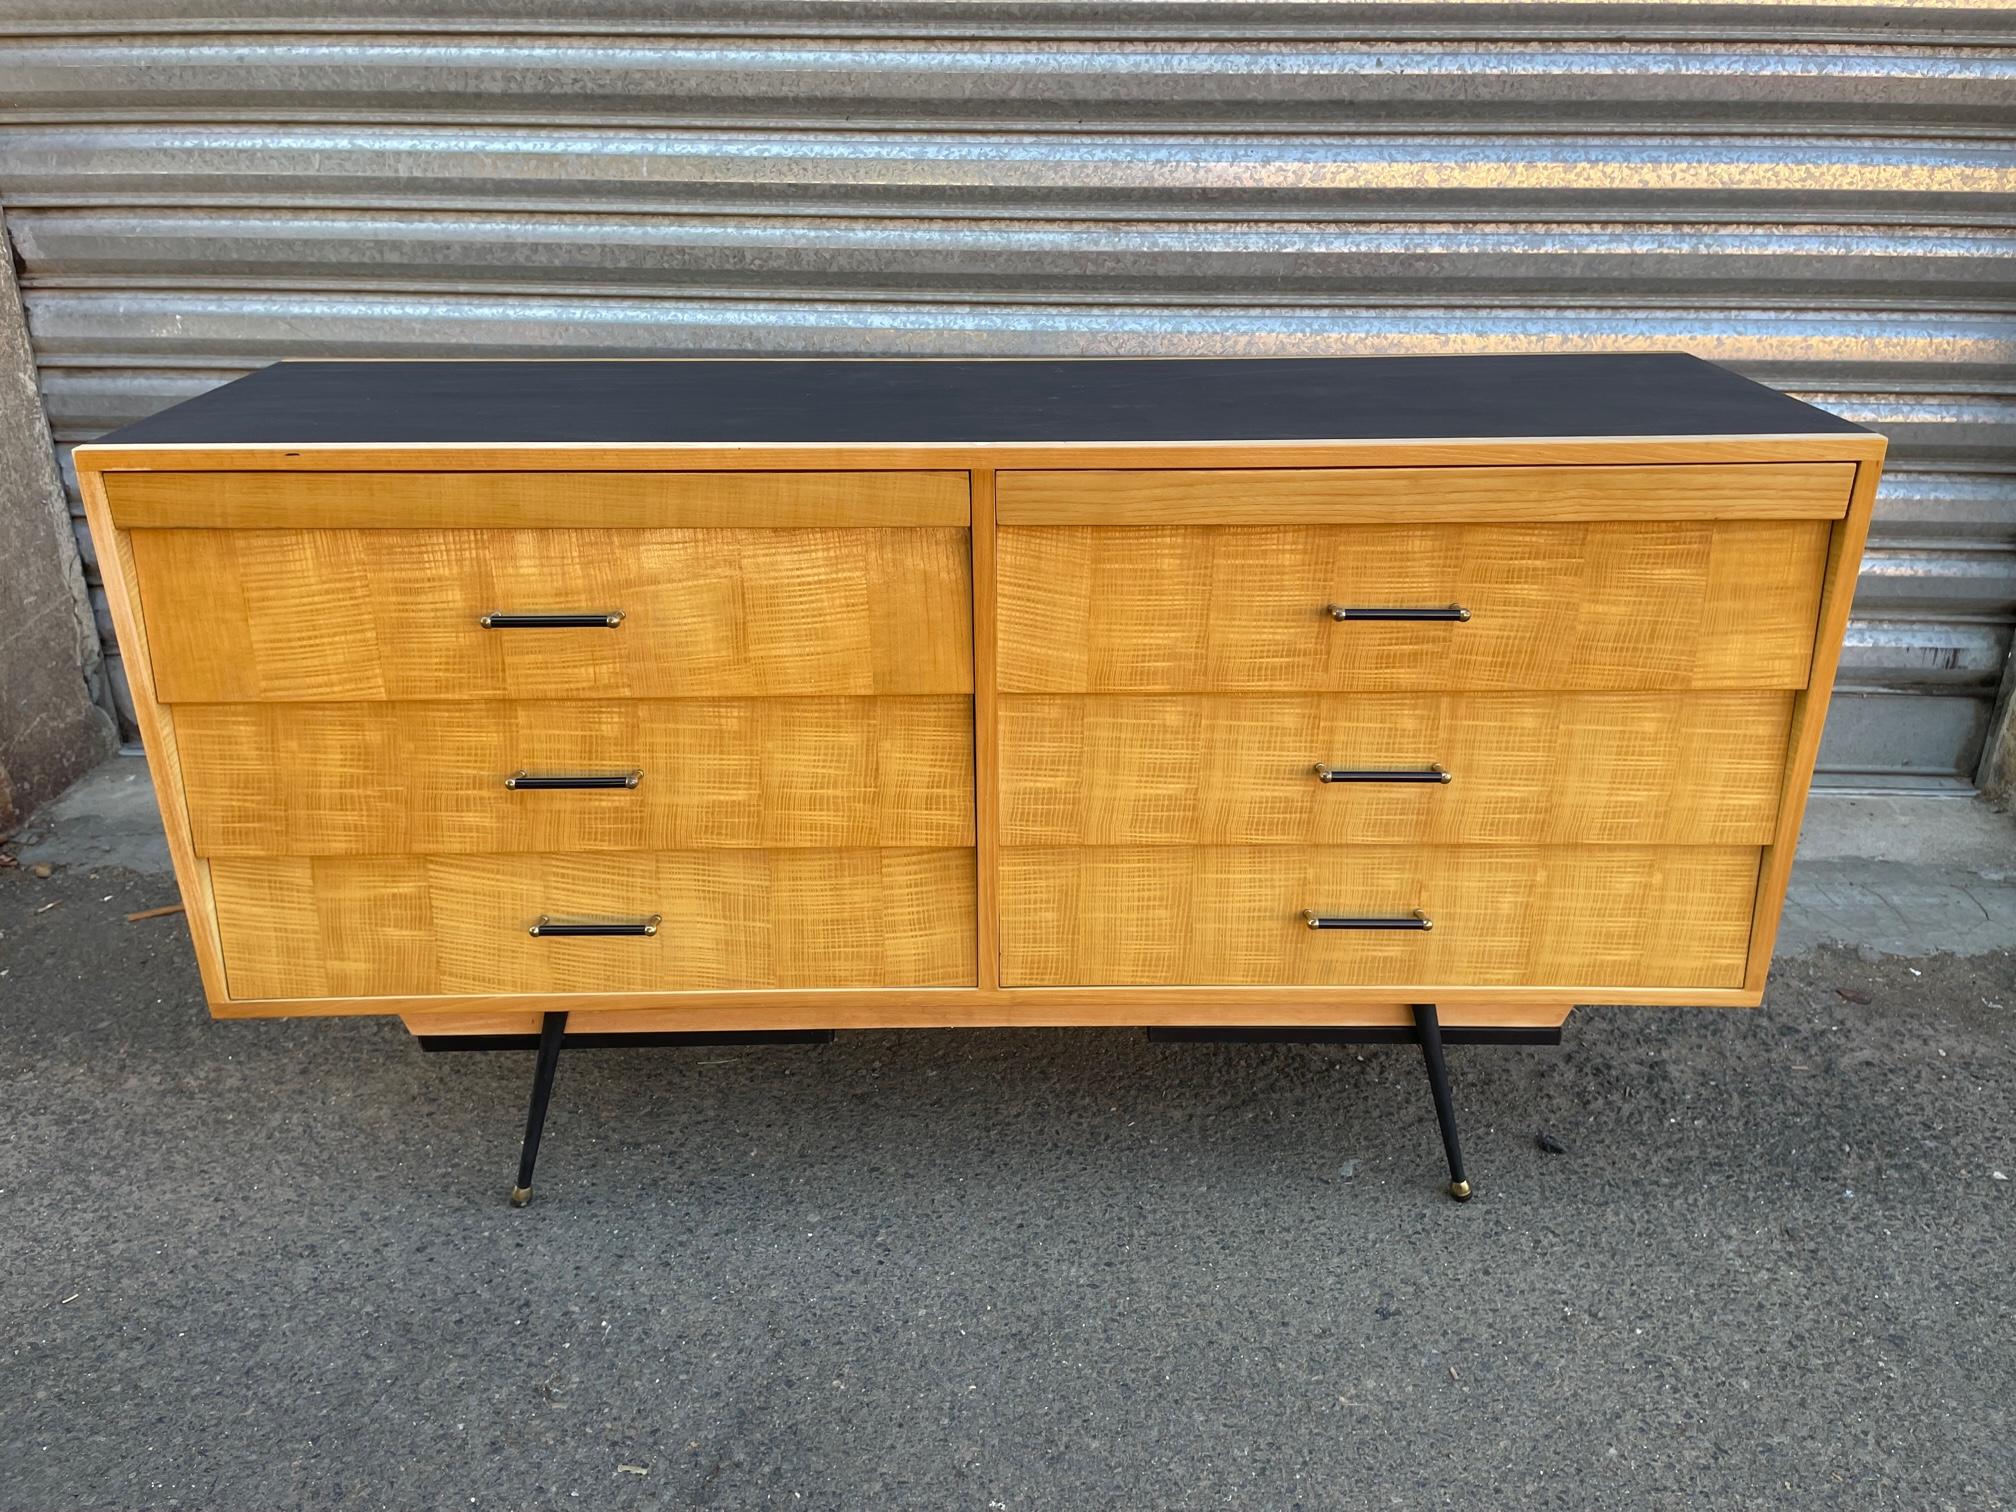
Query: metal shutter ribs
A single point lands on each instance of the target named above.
(1818, 196)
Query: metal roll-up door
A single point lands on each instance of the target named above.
(1822, 196)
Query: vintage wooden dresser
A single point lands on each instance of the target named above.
(744, 697)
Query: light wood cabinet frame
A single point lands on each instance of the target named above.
(129, 487)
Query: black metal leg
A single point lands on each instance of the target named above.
(1429, 1028)
(552, 1029)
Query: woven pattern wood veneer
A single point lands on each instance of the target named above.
(381, 778)
(373, 926)
(1543, 768)
(339, 615)
(1511, 916)
(917, 712)
(1603, 606)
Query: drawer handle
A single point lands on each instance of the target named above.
(1415, 920)
(1431, 773)
(542, 927)
(497, 620)
(1342, 612)
(536, 782)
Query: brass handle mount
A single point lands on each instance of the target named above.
(599, 619)
(1417, 920)
(546, 927)
(539, 782)
(1433, 772)
(1343, 612)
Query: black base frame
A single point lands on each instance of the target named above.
(1427, 1032)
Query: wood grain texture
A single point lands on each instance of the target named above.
(986, 729)
(1525, 769)
(1553, 607)
(1809, 716)
(377, 925)
(157, 733)
(1622, 916)
(346, 615)
(1381, 495)
(465, 500)
(428, 778)
(560, 675)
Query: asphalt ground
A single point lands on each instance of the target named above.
(265, 1265)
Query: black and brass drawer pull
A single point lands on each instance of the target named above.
(1342, 612)
(523, 782)
(1431, 773)
(545, 928)
(1415, 920)
(602, 620)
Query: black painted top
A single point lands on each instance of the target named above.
(1155, 399)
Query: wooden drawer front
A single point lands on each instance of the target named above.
(1551, 607)
(1567, 917)
(385, 779)
(1312, 496)
(449, 500)
(380, 926)
(1524, 769)
(343, 615)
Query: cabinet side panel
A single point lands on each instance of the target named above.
(157, 733)
(1809, 716)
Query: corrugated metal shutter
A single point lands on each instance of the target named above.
(1823, 196)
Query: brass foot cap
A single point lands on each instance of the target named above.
(522, 1195)
(1460, 1190)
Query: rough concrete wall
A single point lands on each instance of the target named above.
(50, 730)
(1997, 777)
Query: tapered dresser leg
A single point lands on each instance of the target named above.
(1429, 1028)
(552, 1029)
